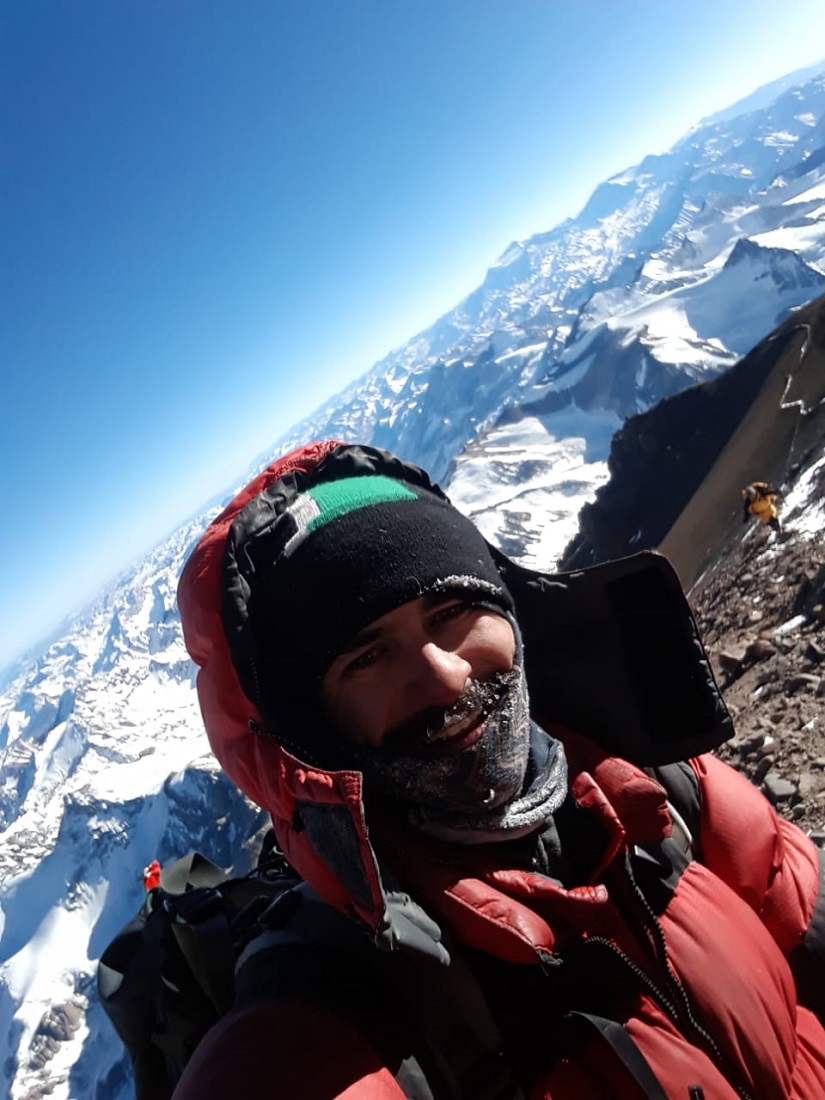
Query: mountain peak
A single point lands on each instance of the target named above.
(595, 366)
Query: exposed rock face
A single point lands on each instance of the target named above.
(677, 470)
(757, 613)
(57, 1026)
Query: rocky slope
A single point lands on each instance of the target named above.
(762, 614)
(676, 471)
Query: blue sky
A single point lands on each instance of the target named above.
(214, 214)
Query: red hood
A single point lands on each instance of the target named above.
(318, 816)
(228, 714)
(266, 773)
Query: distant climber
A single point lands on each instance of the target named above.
(151, 875)
(758, 499)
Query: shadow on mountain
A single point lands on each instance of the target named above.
(677, 470)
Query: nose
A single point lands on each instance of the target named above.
(439, 676)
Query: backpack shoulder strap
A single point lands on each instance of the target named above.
(431, 1021)
(683, 802)
(620, 1042)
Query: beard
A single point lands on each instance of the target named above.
(422, 762)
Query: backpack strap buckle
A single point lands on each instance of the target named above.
(195, 906)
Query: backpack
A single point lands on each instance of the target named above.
(175, 969)
(170, 974)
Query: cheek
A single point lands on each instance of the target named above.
(357, 712)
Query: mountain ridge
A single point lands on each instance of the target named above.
(642, 503)
(513, 399)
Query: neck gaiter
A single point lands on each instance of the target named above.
(503, 786)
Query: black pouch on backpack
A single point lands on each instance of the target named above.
(168, 976)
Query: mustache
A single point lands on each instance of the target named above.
(411, 737)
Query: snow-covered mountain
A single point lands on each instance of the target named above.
(671, 272)
(104, 767)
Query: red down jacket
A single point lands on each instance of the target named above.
(737, 937)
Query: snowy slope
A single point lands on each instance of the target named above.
(104, 768)
(524, 486)
(670, 272)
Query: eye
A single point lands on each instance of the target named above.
(452, 610)
(361, 661)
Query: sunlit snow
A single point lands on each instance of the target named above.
(525, 489)
(671, 271)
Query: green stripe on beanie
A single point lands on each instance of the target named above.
(331, 500)
(336, 498)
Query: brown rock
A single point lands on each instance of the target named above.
(807, 784)
(778, 789)
(767, 675)
(762, 768)
(57, 1026)
(749, 742)
(802, 681)
(758, 650)
(731, 660)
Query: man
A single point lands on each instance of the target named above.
(758, 500)
(493, 904)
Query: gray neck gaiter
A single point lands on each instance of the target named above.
(504, 786)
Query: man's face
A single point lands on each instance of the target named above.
(395, 682)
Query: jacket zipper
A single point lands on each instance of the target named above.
(682, 1017)
(676, 1003)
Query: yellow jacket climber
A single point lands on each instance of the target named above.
(759, 501)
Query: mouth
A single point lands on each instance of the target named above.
(456, 734)
(438, 731)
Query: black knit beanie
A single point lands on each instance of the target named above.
(343, 553)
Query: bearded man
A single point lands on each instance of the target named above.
(513, 884)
